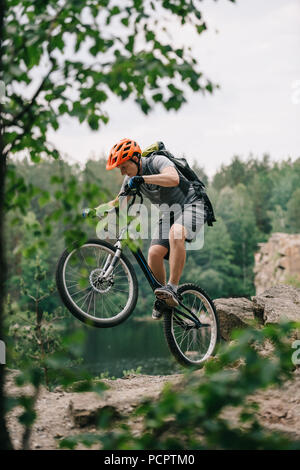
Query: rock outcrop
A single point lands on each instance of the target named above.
(234, 313)
(277, 261)
(276, 304)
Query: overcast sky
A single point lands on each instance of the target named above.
(255, 58)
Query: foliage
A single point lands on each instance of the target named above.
(42, 45)
(32, 376)
(41, 49)
(293, 211)
(105, 375)
(138, 62)
(137, 371)
(61, 371)
(34, 331)
(194, 416)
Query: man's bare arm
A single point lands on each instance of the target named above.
(168, 177)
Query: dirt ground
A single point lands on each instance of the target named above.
(61, 414)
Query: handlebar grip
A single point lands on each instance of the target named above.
(128, 191)
(87, 212)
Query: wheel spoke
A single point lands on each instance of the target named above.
(91, 295)
(85, 298)
(194, 343)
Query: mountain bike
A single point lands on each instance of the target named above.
(98, 285)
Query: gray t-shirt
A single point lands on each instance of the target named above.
(167, 196)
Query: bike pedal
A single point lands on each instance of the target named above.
(160, 305)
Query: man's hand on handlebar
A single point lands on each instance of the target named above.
(135, 182)
(130, 189)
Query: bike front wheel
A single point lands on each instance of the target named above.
(93, 299)
(192, 344)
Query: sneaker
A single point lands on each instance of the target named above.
(156, 314)
(167, 294)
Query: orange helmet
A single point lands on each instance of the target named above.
(124, 150)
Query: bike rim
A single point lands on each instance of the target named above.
(96, 300)
(195, 344)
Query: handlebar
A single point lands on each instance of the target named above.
(131, 192)
(92, 213)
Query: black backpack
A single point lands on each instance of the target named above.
(183, 167)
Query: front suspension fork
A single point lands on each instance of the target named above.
(112, 260)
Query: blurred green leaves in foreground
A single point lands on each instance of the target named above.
(216, 409)
(63, 369)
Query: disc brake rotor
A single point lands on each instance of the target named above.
(98, 283)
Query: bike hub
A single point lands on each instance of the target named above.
(98, 283)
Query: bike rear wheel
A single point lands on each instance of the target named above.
(96, 301)
(192, 345)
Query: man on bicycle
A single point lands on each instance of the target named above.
(160, 181)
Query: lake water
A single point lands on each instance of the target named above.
(128, 346)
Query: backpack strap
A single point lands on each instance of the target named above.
(149, 163)
(184, 184)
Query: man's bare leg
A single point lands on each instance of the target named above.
(177, 253)
(156, 262)
(177, 236)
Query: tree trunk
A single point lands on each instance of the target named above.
(5, 443)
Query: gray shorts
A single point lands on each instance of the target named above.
(192, 217)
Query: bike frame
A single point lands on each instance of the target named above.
(111, 263)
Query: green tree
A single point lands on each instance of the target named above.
(137, 62)
(5, 442)
(278, 219)
(238, 214)
(200, 172)
(231, 175)
(293, 212)
(261, 190)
